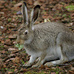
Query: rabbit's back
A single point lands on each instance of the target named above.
(51, 26)
(46, 34)
(49, 31)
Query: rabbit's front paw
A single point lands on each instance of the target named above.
(38, 59)
(27, 65)
(48, 64)
(36, 65)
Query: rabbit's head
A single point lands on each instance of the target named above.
(25, 33)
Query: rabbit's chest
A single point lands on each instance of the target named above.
(32, 50)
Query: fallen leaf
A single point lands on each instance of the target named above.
(9, 72)
(2, 1)
(42, 67)
(16, 60)
(53, 73)
(12, 36)
(30, 2)
(1, 12)
(18, 4)
(37, 3)
(71, 71)
(23, 70)
(11, 49)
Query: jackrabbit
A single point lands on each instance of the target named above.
(47, 41)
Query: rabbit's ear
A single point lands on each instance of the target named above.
(35, 13)
(25, 13)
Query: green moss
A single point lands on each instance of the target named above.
(19, 46)
(22, 61)
(9, 19)
(70, 7)
(33, 72)
(1, 47)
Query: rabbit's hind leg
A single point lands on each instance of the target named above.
(62, 58)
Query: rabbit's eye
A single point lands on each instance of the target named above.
(25, 33)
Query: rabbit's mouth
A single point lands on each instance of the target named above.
(23, 40)
(20, 40)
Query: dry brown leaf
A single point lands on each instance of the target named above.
(11, 36)
(9, 72)
(30, 2)
(37, 3)
(11, 49)
(18, 5)
(16, 60)
(53, 73)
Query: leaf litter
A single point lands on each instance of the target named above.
(12, 56)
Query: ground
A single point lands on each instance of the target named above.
(12, 56)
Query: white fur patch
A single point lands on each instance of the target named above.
(26, 30)
(28, 41)
(32, 27)
(32, 13)
(59, 52)
(54, 62)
